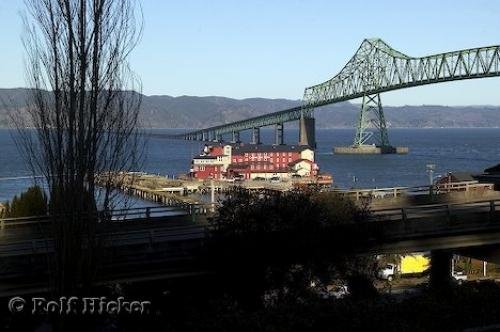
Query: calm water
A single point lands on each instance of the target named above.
(449, 149)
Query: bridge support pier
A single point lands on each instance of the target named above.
(204, 136)
(371, 113)
(236, 137)
(218, 137)
(307, 135)
(440, 270)
(255, 135)
(279, 134)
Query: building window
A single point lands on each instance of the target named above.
(289, 159)
(289, 154)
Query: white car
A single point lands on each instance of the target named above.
(275, 179)
(338, 291)
(388, 272)
(459, 277)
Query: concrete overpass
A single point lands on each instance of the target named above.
(167, 246)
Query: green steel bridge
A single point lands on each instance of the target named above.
(375, 68)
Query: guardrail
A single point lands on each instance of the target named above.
(151, 237)
(435, 210)
(378, 193)
(148, 212)
(148, 237)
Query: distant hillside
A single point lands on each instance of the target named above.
(198, 112)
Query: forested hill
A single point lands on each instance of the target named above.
(198, 112)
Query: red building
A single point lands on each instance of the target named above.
(254, 161)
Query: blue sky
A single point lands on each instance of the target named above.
(275, 49)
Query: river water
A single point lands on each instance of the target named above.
(471, 149)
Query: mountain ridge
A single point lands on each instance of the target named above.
(164, 111)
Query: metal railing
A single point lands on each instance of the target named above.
(148, 212)
(148, 237)
(434, 210)
(377, 193)
(196, 232)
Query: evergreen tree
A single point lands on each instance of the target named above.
(33, 202)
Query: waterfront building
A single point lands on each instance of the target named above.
(254, 161)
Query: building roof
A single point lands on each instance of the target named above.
(456, 177)
(462, 176)
(295, 162)
(205, 157)
(493, 170)
(269, 148)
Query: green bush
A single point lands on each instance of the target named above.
(261, 242)
(32, 202)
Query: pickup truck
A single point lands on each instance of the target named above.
(407, 265)
(391, 270)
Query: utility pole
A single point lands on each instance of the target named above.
(212, 192)
(430, 170)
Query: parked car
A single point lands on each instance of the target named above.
(275, 179)
(259, 178)
(459, 277)
(338, 291)
(296, 176)
(238, 178)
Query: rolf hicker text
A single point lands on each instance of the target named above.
(79, 305)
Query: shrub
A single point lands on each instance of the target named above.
(32, 202)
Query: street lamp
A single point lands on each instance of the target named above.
(430, 171)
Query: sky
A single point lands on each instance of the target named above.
(274, 49)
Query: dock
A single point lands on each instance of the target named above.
(370, 149)
(192, 194)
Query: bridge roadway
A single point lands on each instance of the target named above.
(375, 68)
(170, 246)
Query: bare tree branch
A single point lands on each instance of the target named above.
(82, 118)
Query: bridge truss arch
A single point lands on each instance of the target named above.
(375, 68)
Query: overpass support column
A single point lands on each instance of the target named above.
(211, 136)
(279, 134)
(204, 136)
(440, 271)
(218, 137)
(255, 135)
(236, 137)
(307, 134)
